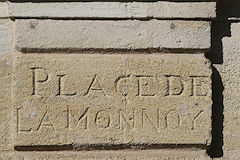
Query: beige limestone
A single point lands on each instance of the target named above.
(230, 73)
(5, 36)
(112, 99)
(3, 10)
(108, 155)
(115, 10)
(230, 155)
(5, 85)
(122, 34)
(5, 102)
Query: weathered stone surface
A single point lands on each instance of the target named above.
(5, 36)
(230, 155)
(125, 34)
(109, 155)
(5, 85)
(112, 99)
(115, 10)
(230, 73)
(3, 10)
(5, 102)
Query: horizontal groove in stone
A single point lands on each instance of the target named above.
(114, 51)
(103, 147)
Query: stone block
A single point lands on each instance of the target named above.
(230, 73)
(5, 36)
(38, 35)
(3, 10)
(5, 85)
(5, 102)
(104, 100)
(114, 10)
(230, 155)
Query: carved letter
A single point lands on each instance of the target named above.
(124, 119)
(45, 121)
(95, 86)
(81, 122)
(173, 119)
(147, 86)
(102, 119)
(174, 85)
(146, 117)
(60, 87)
(19, 127)
(39, 75)
(194, 119)
(200, 86)
(128, 86)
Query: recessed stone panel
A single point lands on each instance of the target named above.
(112, 100)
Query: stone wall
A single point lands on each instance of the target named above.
(111, 80)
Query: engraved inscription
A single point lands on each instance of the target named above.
(137, 118)
(174, 85)
(38, 121)
(172, 119)
(76, 121)
(39, 76)
(62, 84)
(95, 87)
(147, 86)
(199, 87)
(126, 119)
(86, 99)
(102, 119)
(133, 85)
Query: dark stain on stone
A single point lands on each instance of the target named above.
(173, 26)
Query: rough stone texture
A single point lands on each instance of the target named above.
(5, 85)
(5, 102)
(230, 155)
(230, 73)
(112, 99)
(109, 155)
(5, 36)
(3, 10)
(115, 10)
(125, 34)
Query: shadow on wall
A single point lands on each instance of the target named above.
(221, 27)
(228, 9)
(215, 149)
